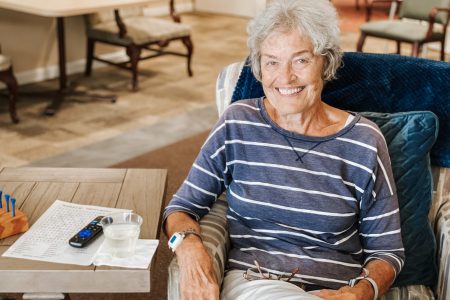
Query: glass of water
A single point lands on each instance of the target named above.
(121, 232)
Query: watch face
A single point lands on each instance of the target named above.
(172, 239)
(175, 240)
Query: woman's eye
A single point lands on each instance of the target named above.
(301, 61)
(271, 63)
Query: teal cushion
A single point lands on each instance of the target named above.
(409, 137)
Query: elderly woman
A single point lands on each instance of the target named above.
(312, 200)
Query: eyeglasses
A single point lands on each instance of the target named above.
(255, 273)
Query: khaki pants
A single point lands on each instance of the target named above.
(236, 287)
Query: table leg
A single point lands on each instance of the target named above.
(64, 90)
(51, 109)
(61, 36)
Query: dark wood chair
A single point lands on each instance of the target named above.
(419, 22)
(131, 29)
(7, 77)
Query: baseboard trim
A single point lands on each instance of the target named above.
(77, 66)
(73, 67)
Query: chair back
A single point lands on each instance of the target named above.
(420, 10)
(108, 16)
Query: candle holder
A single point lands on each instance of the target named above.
(12, 221)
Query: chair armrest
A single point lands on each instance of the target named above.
(443, 250)
(440, 217)
(432, 19)
(215, 238)
(436, 10)
(120, 24)
(441, 193)
(225, 84)
(173, 14)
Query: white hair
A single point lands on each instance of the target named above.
(317, 19)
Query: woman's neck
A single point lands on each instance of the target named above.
(318, 120)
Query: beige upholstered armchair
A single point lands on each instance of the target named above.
(419, 22)
(130, 28)
(7, 77)
(215, 234)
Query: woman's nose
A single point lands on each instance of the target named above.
(287, 74)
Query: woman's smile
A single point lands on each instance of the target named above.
(290, 91)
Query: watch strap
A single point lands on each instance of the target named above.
(191, 231)
(365, 275)
(374, 285)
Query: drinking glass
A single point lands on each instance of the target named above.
(121, 232)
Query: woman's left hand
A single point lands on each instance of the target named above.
(344, 293)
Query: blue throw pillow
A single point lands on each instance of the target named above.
(409, 137)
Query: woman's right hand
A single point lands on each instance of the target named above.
(197, 277)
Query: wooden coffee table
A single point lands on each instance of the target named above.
(141, 190)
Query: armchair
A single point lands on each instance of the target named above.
(7, 76)
(131, 29)
(357, 84)
(419, 22)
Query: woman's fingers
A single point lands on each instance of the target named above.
(335, 294)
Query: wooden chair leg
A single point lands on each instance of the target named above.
(443, 50)
(134, 52)
(9, 79)
(399, 47)
(89, 56)
(415, 49)
(360, 43)
(190, 49)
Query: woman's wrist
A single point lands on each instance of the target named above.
(364, 290)
(191, 243)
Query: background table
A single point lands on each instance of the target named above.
(60, 9)
(37, 188)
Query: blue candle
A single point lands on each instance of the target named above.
(13, 206)
(1, 199)
(7, 202)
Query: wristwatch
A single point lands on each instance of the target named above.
(365, 276)
(177, 238)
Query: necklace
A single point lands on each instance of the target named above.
(299, 157)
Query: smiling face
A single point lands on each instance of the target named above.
(291, 73)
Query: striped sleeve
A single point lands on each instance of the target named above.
(205, 181)
(380, 217)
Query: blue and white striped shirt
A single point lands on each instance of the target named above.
(328, 213)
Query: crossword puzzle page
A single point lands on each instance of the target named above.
(47, 239)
